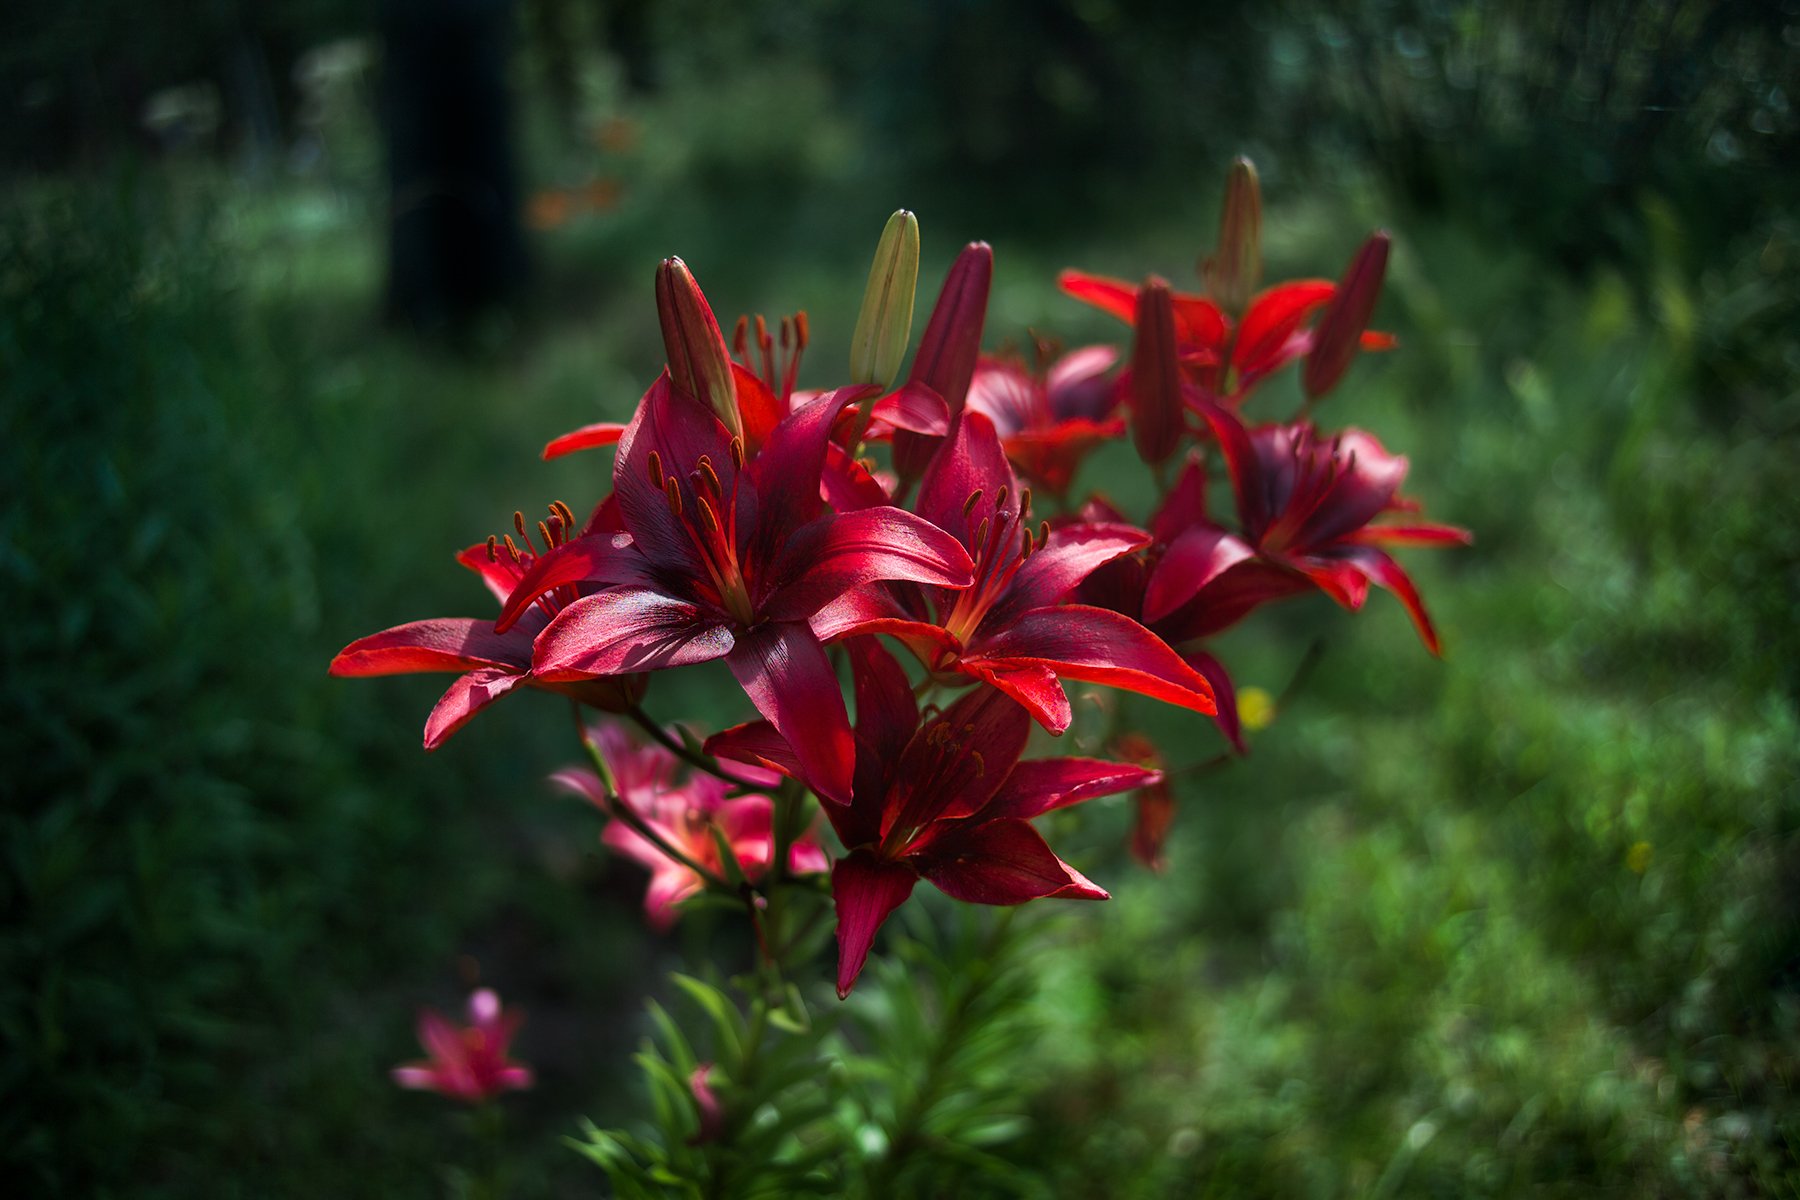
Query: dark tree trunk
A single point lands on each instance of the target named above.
(455, 245)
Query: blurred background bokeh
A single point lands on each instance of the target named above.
(1525, 921)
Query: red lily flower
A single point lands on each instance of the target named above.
(724, 557)
(1050, 419)
(1228, 358)
(942, 797)
(1225, 579)
(467, 1063)
(489, 664)
(686, 815)
(1306, 506)
(1009, 628)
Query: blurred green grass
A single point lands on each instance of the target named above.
(1525, 921)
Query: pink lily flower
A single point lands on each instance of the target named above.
(468, 1062)
(686, 815)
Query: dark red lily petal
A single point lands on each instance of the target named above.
(847, 484)
(1198, 322)
(998, 862)
(887, 711)
(677, 429)
(1071, 554)
(1224, 695)
(499, 572)
(760, 408)
(1050, 457)
(823, 560)
(1114, 297)
(785, 474)
(1092, 644)
(1185, 505)
(605, 559)
(1193, 560)
(1273, 318)
(785, 672)
(1041, 785)
(442, 644)
(864, 889)
(914, 407)
(1033, 685)
(969, 460)
(1424, 534)
(628, 629)
(1383, 571)
(757, 744)
(1242, 463)
(466, 696)
(588, 437)
(1231, 597)
(1077, 387)
(1337, 578)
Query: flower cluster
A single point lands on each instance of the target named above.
(925, 533)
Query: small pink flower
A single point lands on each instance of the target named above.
(706, 1103)
(467, 1063)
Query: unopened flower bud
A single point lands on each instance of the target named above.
(884, 326)
(949, 347)
(1235, 268)
(1156, 400)
(1340, 330)
(699, 363)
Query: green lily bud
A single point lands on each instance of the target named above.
(699, 363)
(884, 326)
(1235, 268)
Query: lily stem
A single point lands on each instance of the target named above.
(621, 811)
(703, 762)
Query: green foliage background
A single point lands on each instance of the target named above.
(1526, 921)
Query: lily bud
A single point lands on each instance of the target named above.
(699, 363)
(885, 324)
(952, 339)
(1235, 268)
(1340, 330)
(949, 347)
(1156, 401)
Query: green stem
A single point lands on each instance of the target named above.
(703, 762)
(908, 1132)
(621, 811)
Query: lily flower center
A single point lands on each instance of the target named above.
(1003, 540)
(711, 524)
(1315, 471)
(943, 776)
(554, 530)
(776, 364)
